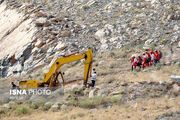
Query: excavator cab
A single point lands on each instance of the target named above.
(51, 78)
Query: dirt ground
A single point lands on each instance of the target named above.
(141, 109)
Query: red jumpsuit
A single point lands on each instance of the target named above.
(134, 62)
(140, 59)
(157, 56)
(145, 61)
(149, 58)
(149, 55)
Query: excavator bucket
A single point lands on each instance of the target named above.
(29, 84)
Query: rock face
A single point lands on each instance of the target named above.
(40, 30)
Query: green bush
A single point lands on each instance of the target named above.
(22, 110)
(2, 111)
(46, 107)
(33, 106)
(93, 102)
(116, 98)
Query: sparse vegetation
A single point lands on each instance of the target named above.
(116, 98)
(46, 107)
(33, 106)
(2, 111)
(115, 83)
(22, 110)
(93, 102)
(153, 46)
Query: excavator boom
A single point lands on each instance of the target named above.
(50, 78)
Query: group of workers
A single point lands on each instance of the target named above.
(148, 59)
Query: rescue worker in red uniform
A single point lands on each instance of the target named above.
(134, 63)
(148, 57)
(156, 57)
(139, 61)
(152, 57)
(145, 61)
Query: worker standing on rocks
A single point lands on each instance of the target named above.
(152, 57)
(148, 57)
(139, 61)
(156, 57)
(134, 62)
(93, 78)
(145, 61)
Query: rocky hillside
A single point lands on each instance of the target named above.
(41, 31)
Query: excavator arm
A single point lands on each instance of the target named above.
(50, 78)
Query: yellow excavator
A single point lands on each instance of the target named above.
(51, 78)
